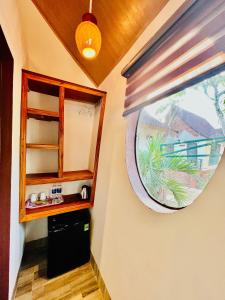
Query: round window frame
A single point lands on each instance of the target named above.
(131, 161)
(132, 168)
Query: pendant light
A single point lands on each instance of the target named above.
(88, 36)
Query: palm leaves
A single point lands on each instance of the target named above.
(178, 190)
(178, 164)
(154, 169)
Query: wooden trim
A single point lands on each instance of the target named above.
(141, 57)
(60, 82)
(23, 128)
(38, 213)
(44, 115)
(42, 178)
(6, 106)
(42, 146)
(42, 78)
(98, 143)
(61, 131)
(77, 175)
(80, 95)
(83, 89)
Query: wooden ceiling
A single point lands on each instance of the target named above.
(120, 22)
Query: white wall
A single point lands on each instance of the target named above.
(46, 55)
(78, 127)
(10, 23)
(141, 254)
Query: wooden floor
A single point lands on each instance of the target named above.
(77, 284)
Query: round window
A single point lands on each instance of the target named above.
(174, 145)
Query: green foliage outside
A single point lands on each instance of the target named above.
(153, 167)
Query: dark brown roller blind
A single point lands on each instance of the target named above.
(191, 47)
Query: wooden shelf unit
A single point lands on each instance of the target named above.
(63, 90)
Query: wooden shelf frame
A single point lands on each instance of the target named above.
(63, 90)
(43, 178)
(42, 115)
(70, 201)
(42, 146)
(32, 214)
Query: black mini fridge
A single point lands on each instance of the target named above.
(68, 242)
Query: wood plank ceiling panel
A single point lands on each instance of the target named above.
(120, 22)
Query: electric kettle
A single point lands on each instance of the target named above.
(85, 192)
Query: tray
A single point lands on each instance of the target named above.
(48, 202)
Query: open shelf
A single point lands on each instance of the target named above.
(43, 146)
(77, 175)
(47, 87)
(80, 96)
(42, 178)
(73, 137)
(44, 115)
(72, 202)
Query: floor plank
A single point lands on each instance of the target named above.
(78, 284)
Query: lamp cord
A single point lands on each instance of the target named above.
(90, 6)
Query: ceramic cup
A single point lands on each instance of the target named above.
(33, 197)
(42, 196)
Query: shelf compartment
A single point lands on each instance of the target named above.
(79, 121)
(49, 87)
(43, 146)
(77, 175)
(72, 203)
(81, 96)
(42, 178)
(44, 115)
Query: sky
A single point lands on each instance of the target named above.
(194, 101)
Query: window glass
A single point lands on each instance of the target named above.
(179, 142)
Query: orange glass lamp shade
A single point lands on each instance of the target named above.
(88, 37)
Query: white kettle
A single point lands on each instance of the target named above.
(85, 191)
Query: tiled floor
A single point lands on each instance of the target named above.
(78, 284)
